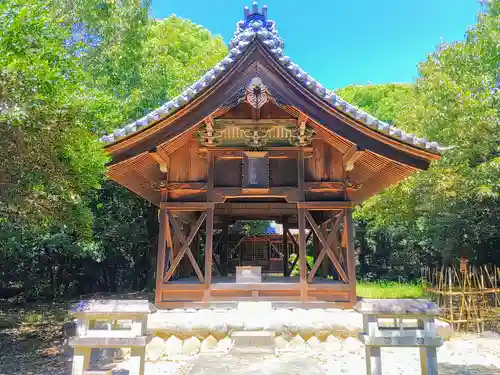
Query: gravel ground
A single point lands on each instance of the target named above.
(465, 355)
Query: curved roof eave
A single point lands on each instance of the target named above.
(256, 26)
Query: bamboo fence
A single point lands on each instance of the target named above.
(469, 296)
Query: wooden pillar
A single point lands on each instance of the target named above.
(302, 253)
(209, 223)
(160, 258)
(268, 254)
(285, 246)
(224, 249)
(209, 246)
(351, 258)
(302, 226)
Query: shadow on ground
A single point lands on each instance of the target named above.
(452, 369)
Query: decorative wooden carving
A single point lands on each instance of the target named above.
(256, 93)
(302, 137)
(255, 138)
(178, 186)
(333, 185)
(255, 169)
(210, 137)
(255, 133)
(159, 185)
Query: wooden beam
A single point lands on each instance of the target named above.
(350, 158)
(160, 258)
(237, 153)
(184, 247)
(351, 257)
(220, 194)
(180, 187)
(326, 245)
(332, 186)
(186, 206)
(209, 241)
(325, 206)
(189, 253)
(162, 158)
(251, 122)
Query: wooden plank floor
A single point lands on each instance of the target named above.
(265, 279)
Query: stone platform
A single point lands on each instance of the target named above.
(293, 328)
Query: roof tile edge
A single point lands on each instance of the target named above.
(256, 25)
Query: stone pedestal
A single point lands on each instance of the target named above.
(378, 332)
(98, 327)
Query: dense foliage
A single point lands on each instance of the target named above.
(72, 70)
(69, 71)
(453, 209)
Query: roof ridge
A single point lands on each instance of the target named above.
(256, 25)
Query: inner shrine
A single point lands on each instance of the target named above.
(257, 138)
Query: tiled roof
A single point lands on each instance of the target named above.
(256, 26)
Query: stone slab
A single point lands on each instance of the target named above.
(407, 306)
(109, 342)
(113, 306)
(402, 341)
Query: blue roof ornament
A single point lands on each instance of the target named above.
(255, 25)
(255, 18)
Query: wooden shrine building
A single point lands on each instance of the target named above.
(258, 138)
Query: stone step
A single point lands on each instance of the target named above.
(253, 342)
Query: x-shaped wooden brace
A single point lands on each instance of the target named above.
(233, 250)
(276, 250)
(297, 250)
(326, 250)
(185, 246)
(216, 262)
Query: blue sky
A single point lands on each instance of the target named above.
(344, 42)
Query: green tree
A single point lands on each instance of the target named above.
(48, 157)
(71, 70)
(452, 209)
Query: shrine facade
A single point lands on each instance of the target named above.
(257, 138)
